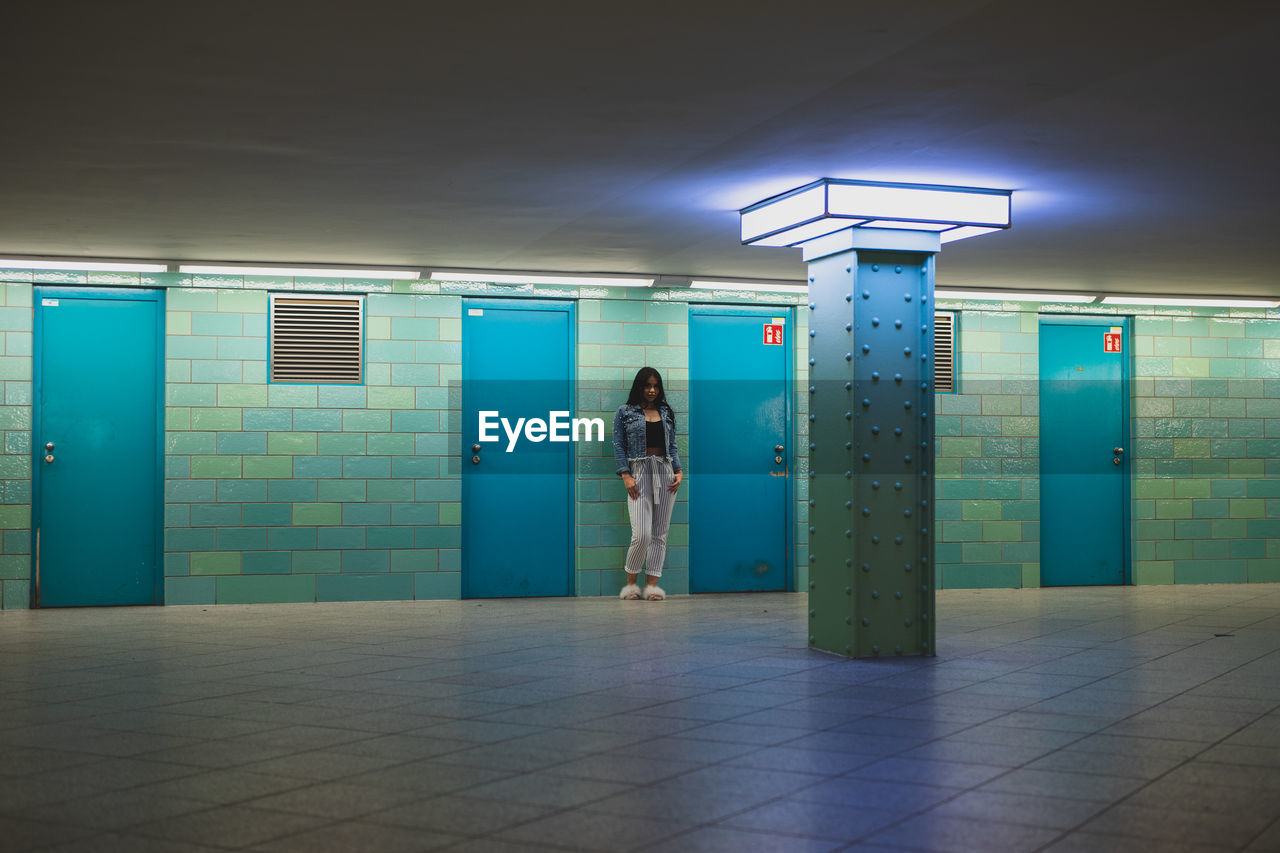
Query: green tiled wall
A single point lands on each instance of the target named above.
(305, 492)
(330, 492)
(1205, 400)
(615, 338)
(800, 454)
(15, 461)
(987, 488)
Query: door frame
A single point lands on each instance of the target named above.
(788, 392)
(565, 306)
(40, 293)
(1125, 321)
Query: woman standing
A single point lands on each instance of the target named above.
(644, 446)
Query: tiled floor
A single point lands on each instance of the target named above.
(1125, 719)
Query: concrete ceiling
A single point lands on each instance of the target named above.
(1142, 140)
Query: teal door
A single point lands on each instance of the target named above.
(1084, 450)
(516, 505)
(739, 448)
(97, 454)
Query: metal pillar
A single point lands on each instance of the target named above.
(871, 447)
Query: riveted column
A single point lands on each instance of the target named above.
(871, 452)
(870, 247)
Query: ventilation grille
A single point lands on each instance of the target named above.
(316, 338)
(944, 356)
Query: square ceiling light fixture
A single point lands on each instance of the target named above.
(829, 205)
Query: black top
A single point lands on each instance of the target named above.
(653, 436)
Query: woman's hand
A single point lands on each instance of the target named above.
(675, 481)
(630, 482)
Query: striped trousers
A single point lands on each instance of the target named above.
(650, 515)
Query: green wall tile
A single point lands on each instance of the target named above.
(364, 587)
(243, 396)
(982, 576)
(317, 514)
(291, 396)
(382, 397)
(437, 585)
(203, 323)
(267, 467)
(1153, 572)
(215, 563)
(215, 467)
(1210, 571)
(179, 591)
(266, 589)
(1264, 571)
(291, 443)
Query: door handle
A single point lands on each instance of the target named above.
(778, 448)
(475, 448)
(49, 447)
(1118, 451)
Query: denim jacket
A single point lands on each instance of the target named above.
(629, 439)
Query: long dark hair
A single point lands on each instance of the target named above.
(636, 398)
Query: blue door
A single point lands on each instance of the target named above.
(97, 454)
(517, 362)
(1084, 451)
(739, 448)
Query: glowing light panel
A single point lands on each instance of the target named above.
(786, 212)
(910, 226)
(92, 266)
(520, 278)
(1189, 301)
(920, 204)
(801, 233)
(964, 231)
(1012, 295)
(761, 286)
(319, 272)
(830, 204)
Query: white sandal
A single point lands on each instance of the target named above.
(654, 593)
(631, 592)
